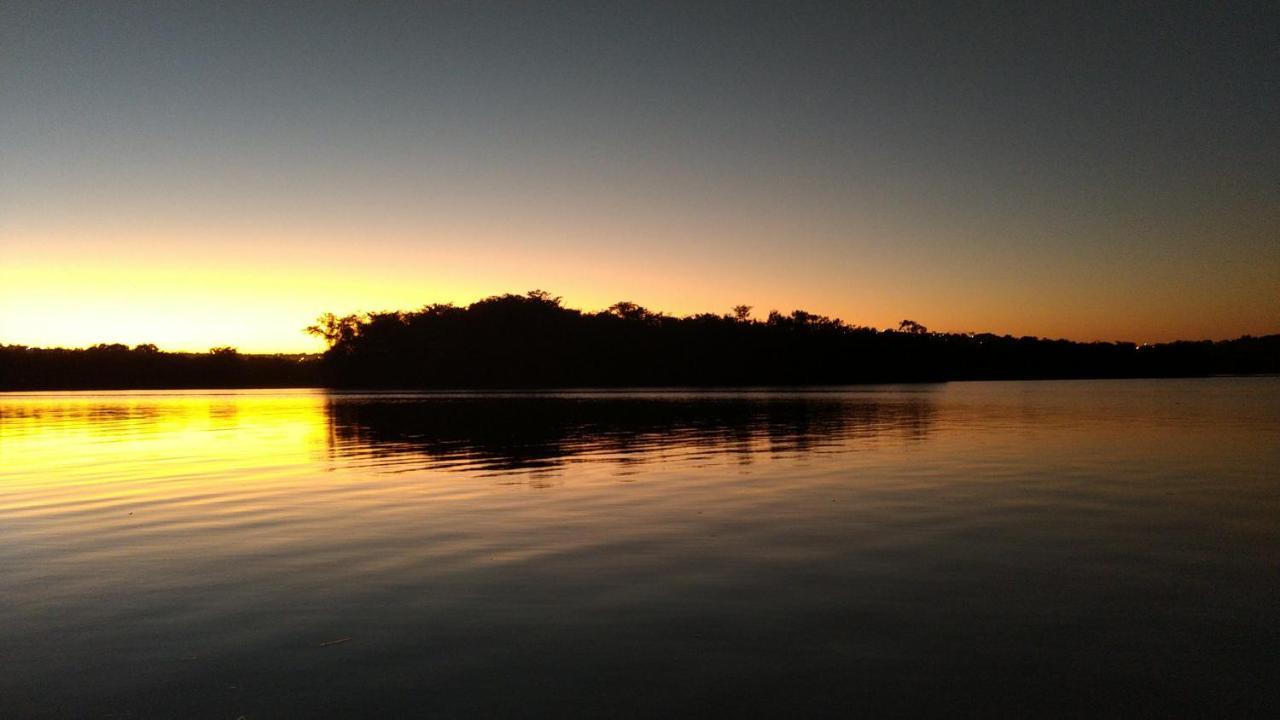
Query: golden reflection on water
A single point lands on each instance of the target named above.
(51, 440)
(82, 449)
(64, 450)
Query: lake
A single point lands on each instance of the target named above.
(1075, 548)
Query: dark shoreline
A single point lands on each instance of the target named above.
(532, 342)
(587, 390)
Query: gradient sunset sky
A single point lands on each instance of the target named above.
(199, 174)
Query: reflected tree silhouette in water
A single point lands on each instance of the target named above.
(539, 431)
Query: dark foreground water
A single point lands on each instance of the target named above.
(1011, 549)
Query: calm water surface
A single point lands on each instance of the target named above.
(1051, 548)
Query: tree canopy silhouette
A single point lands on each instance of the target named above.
(532, 340)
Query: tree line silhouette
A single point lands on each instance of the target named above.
(119, 367)
(533, 340)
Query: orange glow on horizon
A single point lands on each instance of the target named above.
(258, 293)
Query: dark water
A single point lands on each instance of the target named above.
(1044, 549)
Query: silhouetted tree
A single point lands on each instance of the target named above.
(333, 329)
(629, 311)
(542, 296)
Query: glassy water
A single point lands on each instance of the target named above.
(1047, 548)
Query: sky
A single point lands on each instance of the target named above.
(207, 174)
